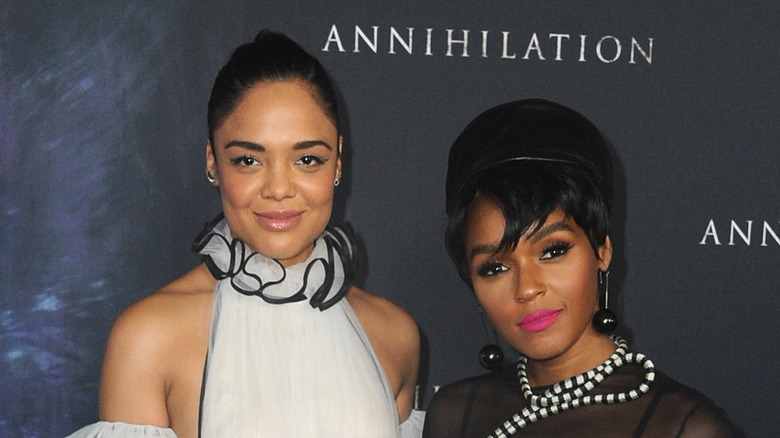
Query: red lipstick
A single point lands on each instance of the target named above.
(540, 320)
(279, 220)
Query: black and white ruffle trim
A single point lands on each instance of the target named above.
(331, 264)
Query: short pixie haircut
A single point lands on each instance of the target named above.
(529, 157)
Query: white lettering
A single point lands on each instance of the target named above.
(534, 45)
(618, 49)
(464, 41)
(745, 237)
(558, 37)
(394, 36)
(582, 48)
(770, 231)
(359, 35)
(608, 49)
(710, 232)
(333, 37)
(647, 55)
(504, 53)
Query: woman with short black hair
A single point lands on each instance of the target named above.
(529, 192)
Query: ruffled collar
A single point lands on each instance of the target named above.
(323, 278)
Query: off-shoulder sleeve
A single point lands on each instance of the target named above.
(107, 429)
(413, 426)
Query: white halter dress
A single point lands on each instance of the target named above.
(287, 355)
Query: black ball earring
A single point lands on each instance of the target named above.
(491, 356)
(605, 320)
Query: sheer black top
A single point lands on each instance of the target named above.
(477, 406)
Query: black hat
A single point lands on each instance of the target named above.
(526, 130)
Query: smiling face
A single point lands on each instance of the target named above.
(542, 295)
(275, 158)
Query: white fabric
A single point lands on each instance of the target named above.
(413, 426)
(251, 273)
(292, 370)
(107, 429)
(284, 370)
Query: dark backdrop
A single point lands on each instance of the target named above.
(102, 184)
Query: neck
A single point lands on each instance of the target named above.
(323, 279)
(552, 370)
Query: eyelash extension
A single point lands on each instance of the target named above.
(239, 161)
(318, 160)
(487, 269)
(557, 246)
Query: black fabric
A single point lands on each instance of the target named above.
(477, 406)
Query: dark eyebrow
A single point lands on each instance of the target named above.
(546, 230)
(310, 144)
(487, 248)
(245, 144)
(260, 148)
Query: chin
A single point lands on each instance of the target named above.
(293, 244)
(540, 349)
(280, 252)
(288, 253)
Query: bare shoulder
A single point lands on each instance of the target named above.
(159, 317)
(151, 343)
(380, 315)
(395, 339)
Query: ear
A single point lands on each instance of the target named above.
(605, 254)
(211, 163)
(338, 160)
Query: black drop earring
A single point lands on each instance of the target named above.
(605, 320)
(491, 356)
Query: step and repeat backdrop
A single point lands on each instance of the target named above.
(102, 182)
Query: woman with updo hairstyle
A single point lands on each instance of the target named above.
(268, 337)
(528, 197)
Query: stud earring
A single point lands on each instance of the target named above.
(490, 356)
(211, 179)
(337, 181)
(605, 320)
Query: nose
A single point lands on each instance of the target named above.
(277, 182)
(529, 284)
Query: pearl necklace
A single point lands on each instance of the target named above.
(574, 391)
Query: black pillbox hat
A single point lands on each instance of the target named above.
(526, 130)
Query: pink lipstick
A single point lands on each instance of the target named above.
(279, 220)
(540, 320)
